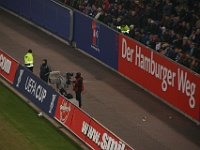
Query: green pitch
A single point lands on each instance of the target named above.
(22, 129)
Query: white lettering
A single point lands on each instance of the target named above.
(5, 64)
(85, 127)
(104, 141)
(107, 143)
(95, 48)
(127, 52)
(187, 87)
(149, 65)
(36, 90)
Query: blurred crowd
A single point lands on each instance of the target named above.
(170, 27)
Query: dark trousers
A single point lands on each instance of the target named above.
(30, 68)
(45, 78)
(78, 98)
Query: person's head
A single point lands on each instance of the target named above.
(44, 61)
(131, 26)
(78, 75)
(29, 51)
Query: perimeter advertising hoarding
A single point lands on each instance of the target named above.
(24, 8)
(40, 93)
(2, 2)
(101, 138)
(96, 39)
(86, 128)
(64, 111)
(8, 67)
(12, 5)
(166, 79)
(37, 11)
(46, 13)
(57, 19)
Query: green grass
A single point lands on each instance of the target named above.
(22, 129)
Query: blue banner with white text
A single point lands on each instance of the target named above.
(36, 90)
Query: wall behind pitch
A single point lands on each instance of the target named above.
(96, 39)
(45, 13)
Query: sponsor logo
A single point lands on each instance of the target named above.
(167, 76)
(65, 109)
(21, 72)
(35, 89)
(104, 141)
(52, 102)
(95, 36)
(5, 64)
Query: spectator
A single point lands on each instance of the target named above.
(133, 18)
(167, 8)
(172, 37)
(187, 60)
(100, 14)
(93, 11)
(132, 31)
(173, 53)
(124, 28)
(185, 46)
(137, 35)
(105, 5)
(195, 36)
(165, 48)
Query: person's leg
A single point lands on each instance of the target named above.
(46, 79)
(78, 98)
(31, 69)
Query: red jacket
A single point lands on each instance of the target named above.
(78, 85)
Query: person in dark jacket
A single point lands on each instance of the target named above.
(78, 87)
(45, 69)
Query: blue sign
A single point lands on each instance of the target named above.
(12, 5)
(36, 90)
(3, 3)
(24, 8)
(37, 11)
(96, 39)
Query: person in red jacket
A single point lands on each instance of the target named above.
(78, 87)
(105, 5)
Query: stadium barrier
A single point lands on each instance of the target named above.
(45, 13)
(174, 84)
(86, 128)
(8, 67)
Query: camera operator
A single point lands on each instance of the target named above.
(78, 87)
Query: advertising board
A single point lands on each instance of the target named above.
(12, 5)
(96, 39)
(101, 138)
(36, 90)
(8, 67)
(37, 11)
(164, 78)
(24, 8)
(64, 111)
